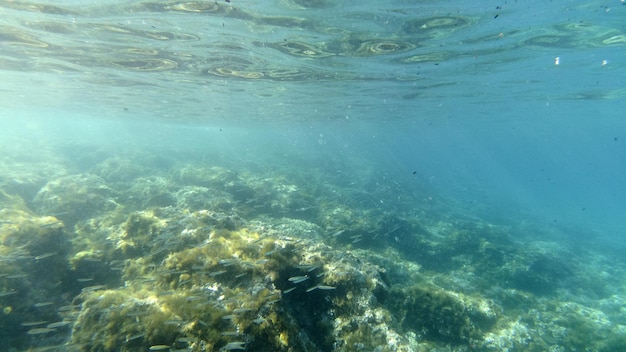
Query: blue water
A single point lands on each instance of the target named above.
(502, 113)
(565, 167)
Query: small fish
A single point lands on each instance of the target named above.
(324, 287)
(33, 323)
(84, 279)
(175, 322)
(16, 276)
(304, 266)
(52, 224)
(185, 339)
(194, 298)
(269, 253)
(68, 308)
(135, 337)
(58, 324)
(304, 208)
(134, 314)
(172, 272)
(228, 262)
(338, 233)
(42, 304)
(241, 310)
(235, 345)
(388, 232)
(248, 264)
(288, 290)
(159, 347)
(310, 289)
(298, 279)
(93, 288)
(39, 331)
(320, 287)
(216, 273)
(45, 255)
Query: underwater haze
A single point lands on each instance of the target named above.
(312, 175)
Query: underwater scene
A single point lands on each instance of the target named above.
(312, 175)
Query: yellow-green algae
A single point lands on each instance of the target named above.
(205, 307)
(33, 270)
(231, 283)
(75, 197)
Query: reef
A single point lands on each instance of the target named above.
(197, 258)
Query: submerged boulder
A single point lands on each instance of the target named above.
(76, 197)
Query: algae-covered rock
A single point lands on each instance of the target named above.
(287, 227)
(579, 327)
(34, 273)
(509, 336)
(201, 298)
(214, 177)
(215, 219)
(76, 197)
(268, 290)
(117, 169)
(25, 175)
(148, 192)
(541, 269)
(433, 313)
(122, 320)
(198, 198)
(12, 202)
(136, 236)
(279, 198)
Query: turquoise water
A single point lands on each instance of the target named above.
(440, 176)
